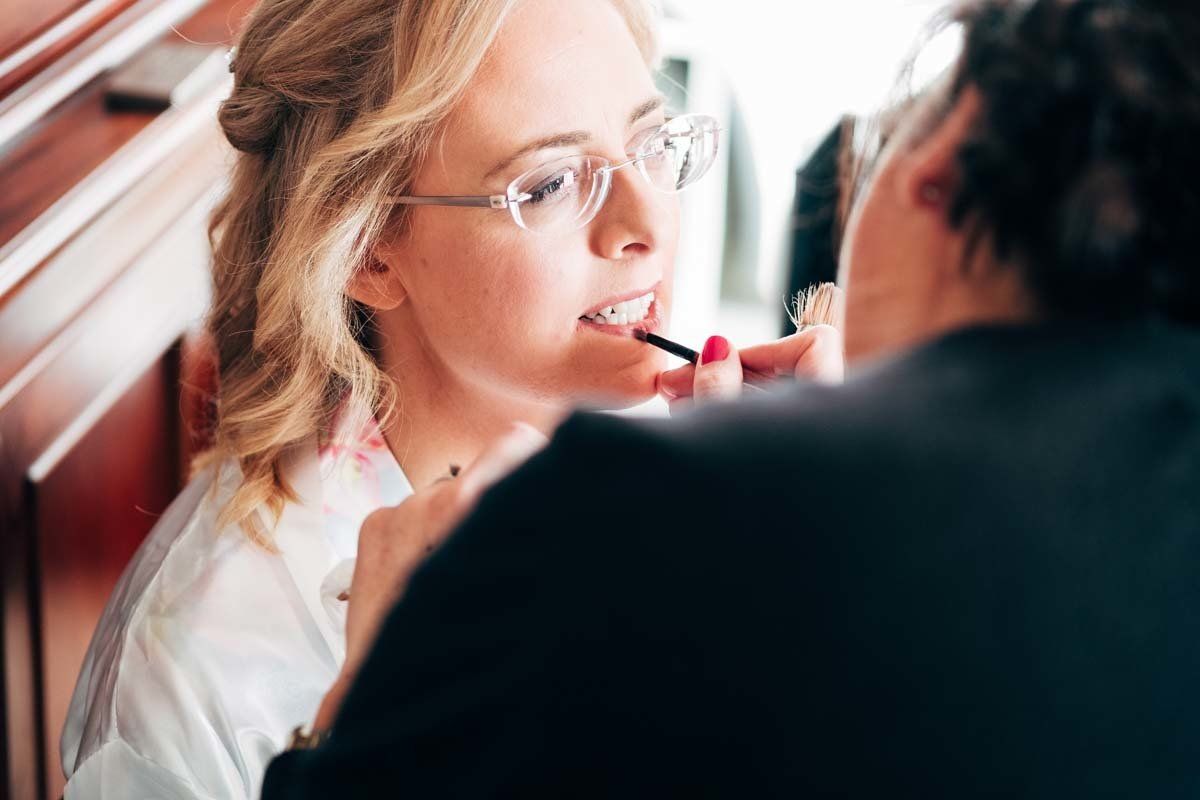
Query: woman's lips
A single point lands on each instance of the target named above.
(631, 304)
(649, 324)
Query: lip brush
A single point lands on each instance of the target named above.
(817, 305)
(752, 377)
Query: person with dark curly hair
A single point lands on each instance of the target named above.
(1059, 160)
(970, 570)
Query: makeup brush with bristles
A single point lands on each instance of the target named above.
(817, 305)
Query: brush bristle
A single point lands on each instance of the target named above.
(639, 334)
(818, 305)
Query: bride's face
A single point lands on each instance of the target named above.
(498, 307)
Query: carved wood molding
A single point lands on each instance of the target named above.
(130, 31)
(46, 31)
(160, 140)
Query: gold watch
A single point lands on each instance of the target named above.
(307, 740)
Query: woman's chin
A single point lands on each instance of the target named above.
(620, 402)
(623, 388)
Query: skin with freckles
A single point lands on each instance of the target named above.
(479, 320)
(905, 261)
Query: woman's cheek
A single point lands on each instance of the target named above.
(522, 310)
(548, 295)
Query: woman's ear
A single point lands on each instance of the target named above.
(377, 283)
(931, 173)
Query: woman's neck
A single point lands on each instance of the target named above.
(440, 420)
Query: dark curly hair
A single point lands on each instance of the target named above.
(1083, 168)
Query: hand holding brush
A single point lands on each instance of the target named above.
(814, 352)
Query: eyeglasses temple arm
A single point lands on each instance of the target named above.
(478, 201)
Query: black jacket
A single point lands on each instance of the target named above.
(973, 571)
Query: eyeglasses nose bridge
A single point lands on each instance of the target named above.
(605, 174)
(638, 159)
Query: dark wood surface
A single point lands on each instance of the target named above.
(88, 526)
(25, 21)
(22, 21)
(105, 386)
(82, 134)
(59, 153)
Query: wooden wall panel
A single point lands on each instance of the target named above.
(89, 514)
(33, 33)
(106, 384)
(19, 755)
(49, 298)
(81, 137)
(22, 20)
(101, 423)
(105, 430)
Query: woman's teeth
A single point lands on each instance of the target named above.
(628, 312)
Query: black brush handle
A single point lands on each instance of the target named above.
(753, 378)
(674, 348)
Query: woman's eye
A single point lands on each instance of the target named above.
(552, 186)
(659, 145)
(646, 137)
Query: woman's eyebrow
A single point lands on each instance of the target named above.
(570, 139)
(647, 108)
(573, 138)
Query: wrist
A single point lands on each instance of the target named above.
(331, 704)
(308, 739)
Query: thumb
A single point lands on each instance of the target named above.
(718, 373)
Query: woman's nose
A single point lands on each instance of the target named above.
(635, 219)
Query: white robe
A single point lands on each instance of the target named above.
(211, 649)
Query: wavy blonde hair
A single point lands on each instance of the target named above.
(334, 106)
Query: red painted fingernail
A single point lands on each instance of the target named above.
(715, 349)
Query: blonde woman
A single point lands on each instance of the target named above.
(445, 216)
